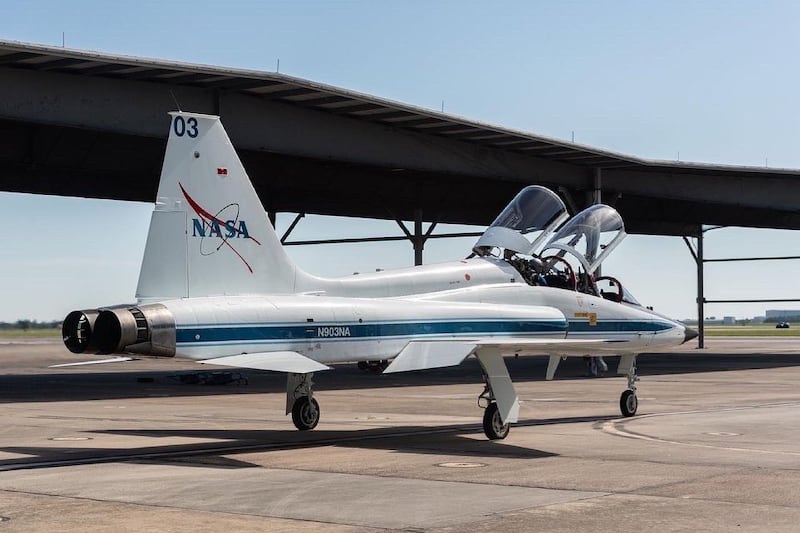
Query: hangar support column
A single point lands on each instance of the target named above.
(597, 191)
(701, 298)
(697, 254)
(419, 239)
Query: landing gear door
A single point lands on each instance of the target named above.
(525, 223)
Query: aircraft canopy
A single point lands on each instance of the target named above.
(589, 236)
(534, 210)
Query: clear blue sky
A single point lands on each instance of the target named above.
(712, 81)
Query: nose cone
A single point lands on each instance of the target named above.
(689, 334)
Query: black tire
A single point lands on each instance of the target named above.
(376, 367)
(493, 425)
(305, 413)
(628, 403)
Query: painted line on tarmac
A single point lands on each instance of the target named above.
(616, 427)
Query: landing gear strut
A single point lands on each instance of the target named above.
(300, 401)
(628, 401)
(498, 397)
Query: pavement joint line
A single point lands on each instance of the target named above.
(194, 510)
(617, 428)
(694, 479)
(709, 500)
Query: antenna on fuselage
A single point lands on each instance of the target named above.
(177, 105)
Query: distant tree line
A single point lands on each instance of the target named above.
(26, 324)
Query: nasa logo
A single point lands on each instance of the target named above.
(230, 229)
(224, 225)
(333, 331)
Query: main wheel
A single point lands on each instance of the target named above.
(305, 413)
(373, 367)
(628, 403)
(492, 424)
(376, 367)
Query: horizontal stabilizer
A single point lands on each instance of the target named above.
(98, 362)
(432, 354)
(276, 361)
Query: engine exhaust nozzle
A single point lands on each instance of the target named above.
(77, 329)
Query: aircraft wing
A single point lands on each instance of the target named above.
(292, 362)
(420, 355)
(561, 347)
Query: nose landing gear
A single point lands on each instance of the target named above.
(628, 402)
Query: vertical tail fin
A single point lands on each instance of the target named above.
(209, 234)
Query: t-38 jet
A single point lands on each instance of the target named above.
(216, 286)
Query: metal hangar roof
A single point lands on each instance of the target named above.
(626, 179)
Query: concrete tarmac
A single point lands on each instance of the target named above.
(139, 446)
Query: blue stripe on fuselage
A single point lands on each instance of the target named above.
(339, 331)
(619, 326)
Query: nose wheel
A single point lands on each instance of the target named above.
(628, 402)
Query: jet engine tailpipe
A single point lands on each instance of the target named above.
(76, 331)
(145, 330)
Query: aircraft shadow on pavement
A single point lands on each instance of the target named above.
(78, 386)
(225, 445)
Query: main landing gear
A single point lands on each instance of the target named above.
(498, 397)
(300, 401)
(374, 367)
(628, 401)
(493, 425)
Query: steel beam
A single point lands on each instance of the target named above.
(701, 299)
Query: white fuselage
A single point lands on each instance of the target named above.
(374, 316)
(335, 329)
(421, 279)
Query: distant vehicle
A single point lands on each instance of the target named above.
(782, 325)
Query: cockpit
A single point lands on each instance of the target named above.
(536, 236)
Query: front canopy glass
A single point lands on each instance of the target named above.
(589, 237)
